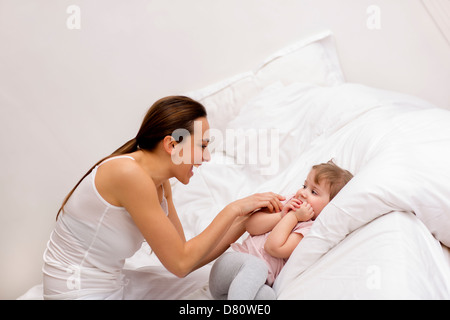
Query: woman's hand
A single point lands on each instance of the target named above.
(292, 204)
(269, 200)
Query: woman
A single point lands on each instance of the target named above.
(126, 198)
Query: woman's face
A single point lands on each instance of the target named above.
(192, 151)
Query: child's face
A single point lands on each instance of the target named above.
(317, 195)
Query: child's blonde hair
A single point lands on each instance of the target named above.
(333, 176)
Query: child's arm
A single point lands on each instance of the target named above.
(263, 221)
(281, 242)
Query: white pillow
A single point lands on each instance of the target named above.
(312, 59)
(407, 170)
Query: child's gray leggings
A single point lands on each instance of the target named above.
(240, 276)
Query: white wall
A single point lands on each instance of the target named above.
(69, 97)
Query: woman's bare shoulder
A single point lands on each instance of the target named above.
(122, 176)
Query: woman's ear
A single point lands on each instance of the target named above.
(169, 144)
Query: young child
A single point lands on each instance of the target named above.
(249, 272)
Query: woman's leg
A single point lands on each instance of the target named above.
(239, 276)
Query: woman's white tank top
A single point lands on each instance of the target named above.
(88, 247)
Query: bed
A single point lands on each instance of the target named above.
(385, 236)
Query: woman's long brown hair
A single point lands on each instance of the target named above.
(162, 119)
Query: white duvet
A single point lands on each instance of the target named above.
(377, 238)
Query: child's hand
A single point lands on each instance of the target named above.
(292, 204)
(304, 213)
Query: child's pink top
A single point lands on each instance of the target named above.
(254, 245)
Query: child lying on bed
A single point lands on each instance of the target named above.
(249, 272)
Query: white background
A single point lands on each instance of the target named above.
(69, 97)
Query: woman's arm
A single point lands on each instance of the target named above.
(137, 193)
(236, 230)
